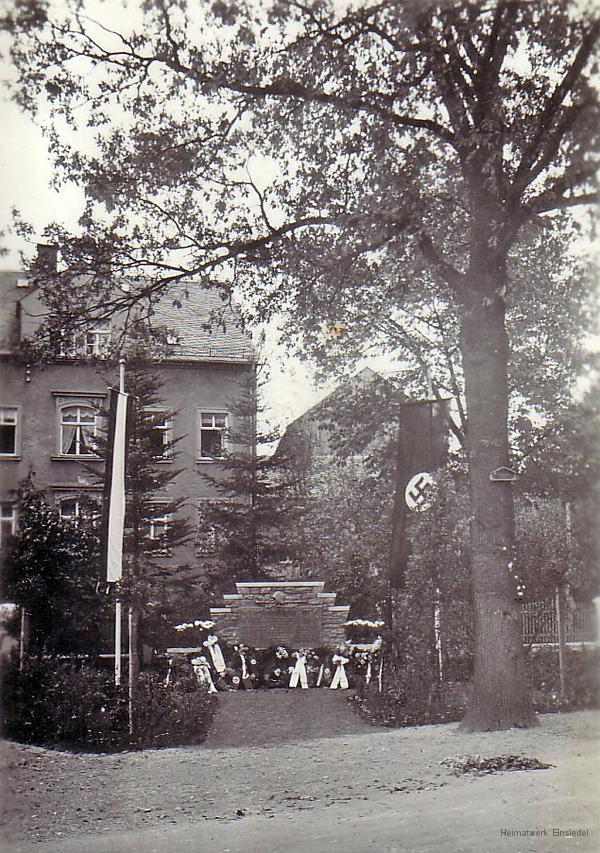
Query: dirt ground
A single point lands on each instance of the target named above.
(58, 800)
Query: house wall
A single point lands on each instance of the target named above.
(188, 388)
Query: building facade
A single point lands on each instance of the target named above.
(50, 413)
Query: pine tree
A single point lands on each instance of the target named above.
(152, 587)
(51, 571)
(245, 528)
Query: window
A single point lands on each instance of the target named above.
(8, 523)
(74, 510)
(213, 426)
(160, 527)
(78, 425)
(97, 339)
(71, 510)
(162, 437)
(8, 431)
(94, 341)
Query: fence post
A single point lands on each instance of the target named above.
(559, 603)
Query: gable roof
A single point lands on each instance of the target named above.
(310, 430)
(203, 325)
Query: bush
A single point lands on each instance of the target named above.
(406, 701)
(67, 703)
(582, 667)
(173, 715)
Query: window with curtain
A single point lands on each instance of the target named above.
(78, 426)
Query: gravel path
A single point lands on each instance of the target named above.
(52, 795)
(262, 717)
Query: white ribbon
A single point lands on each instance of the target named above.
(299, 673)
(212, 644)
(202, 670)
(320, 675)
(368, 675)
(340, 679)
(244, 667)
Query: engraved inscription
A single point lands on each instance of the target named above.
(293, 627)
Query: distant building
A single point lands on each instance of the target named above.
(49, 413)
(311, 437)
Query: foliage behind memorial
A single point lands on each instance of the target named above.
(244, 532)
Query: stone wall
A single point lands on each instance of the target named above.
(292, 613)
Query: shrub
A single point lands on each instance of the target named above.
(406, 701)
(69, 703)
(168, 716)
(582, 667)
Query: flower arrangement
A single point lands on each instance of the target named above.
(197, 623)
(238, 666)
(363, 629)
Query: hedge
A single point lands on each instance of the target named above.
(77, 705)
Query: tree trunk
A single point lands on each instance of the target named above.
(500, 697)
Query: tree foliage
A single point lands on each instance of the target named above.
(51, 569)
(242, 530)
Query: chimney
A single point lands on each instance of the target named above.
(47, 258)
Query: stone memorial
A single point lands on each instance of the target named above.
(294, 614)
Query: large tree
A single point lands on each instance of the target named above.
(420, 138)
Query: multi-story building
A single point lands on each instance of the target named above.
(50, 412)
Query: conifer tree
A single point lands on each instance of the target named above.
(50, 570)
(245, 528)
(153, 583)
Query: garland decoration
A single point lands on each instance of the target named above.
(203, 674)
(340, 679)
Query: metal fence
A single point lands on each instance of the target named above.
(540, 624)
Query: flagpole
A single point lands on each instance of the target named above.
(117, 601)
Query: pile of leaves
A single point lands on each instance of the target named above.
(480, 766)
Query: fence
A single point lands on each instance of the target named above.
(540, 624)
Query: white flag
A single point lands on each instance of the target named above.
(113, 507)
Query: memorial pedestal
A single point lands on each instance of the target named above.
(294, 614)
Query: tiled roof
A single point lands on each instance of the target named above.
(205, 326)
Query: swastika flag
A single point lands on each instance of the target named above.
(422, 449)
